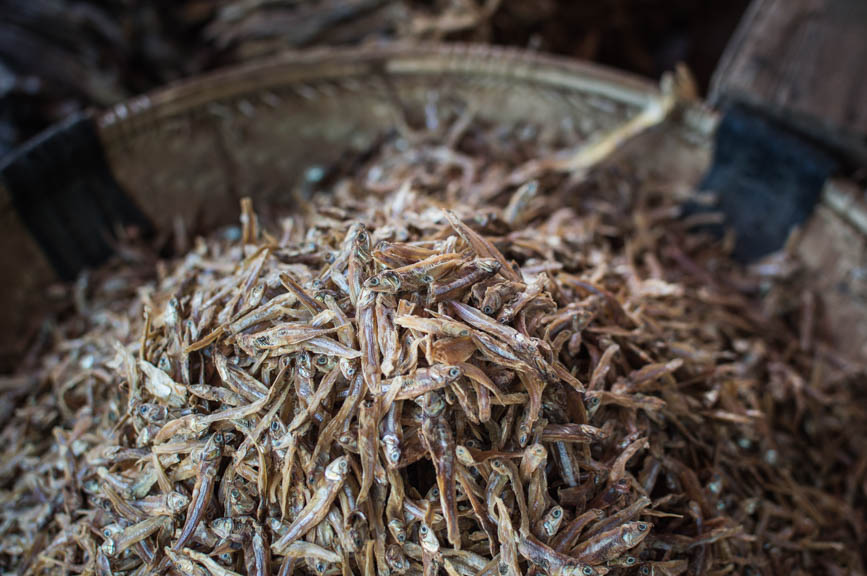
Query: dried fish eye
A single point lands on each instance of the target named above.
(488, 310)
(395, 456)
(556, 513)
(587, 571)
(321, 360)
(645, 570)
(522, 439)
(143, 410)
(642, 526)
(330, 258)
(435, 492)
(630, 560)
(401, 538)
(504, 568)
(177, 501)
(374, 281)
(226, 557)
(594, 401)
(236, 493)
(218, 438)
(454, 372)
(106, 532)
(275, 426)
(423, 530)
(427, 279)
(320, 566)
(361, 236)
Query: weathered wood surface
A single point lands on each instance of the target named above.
(833, 246)
(804, 62)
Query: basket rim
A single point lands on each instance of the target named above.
(398, 58)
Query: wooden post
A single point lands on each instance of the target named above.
(804, 63)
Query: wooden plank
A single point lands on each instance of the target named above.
(833, 246)
(805, 63)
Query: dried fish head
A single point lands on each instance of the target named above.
(552, 520)
(223, 527)
(427, 538)
(398, 530)
(640, 532)
(241, 502)
(337, 470)
(213, 448)
(177, 502)
(396, 559)
(433, 404)
(488, 265)
(110, 533)
(582, 570)
(386, 281)
(446, 372)
(152, 413)
(464, 456)
(391, 448)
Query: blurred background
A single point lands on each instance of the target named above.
(59, 56)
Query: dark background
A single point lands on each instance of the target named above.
(58, 56)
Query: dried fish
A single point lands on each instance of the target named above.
(546, 378)
(318, 506)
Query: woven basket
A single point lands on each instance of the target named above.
(195, 148)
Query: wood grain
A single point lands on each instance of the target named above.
(803, 62)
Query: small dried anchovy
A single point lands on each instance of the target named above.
(546, 378)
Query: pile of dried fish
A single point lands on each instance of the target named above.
(436, 367)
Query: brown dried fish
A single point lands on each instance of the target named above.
(439, 367)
